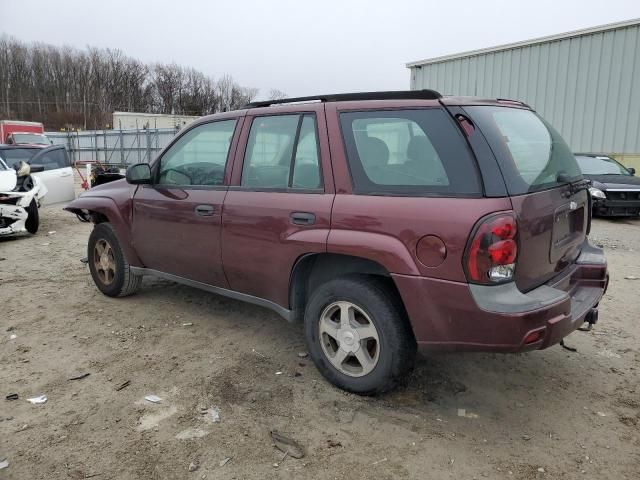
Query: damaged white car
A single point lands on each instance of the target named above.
(20, 197)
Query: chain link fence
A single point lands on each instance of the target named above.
(114, 147)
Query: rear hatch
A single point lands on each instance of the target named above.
(547, 190)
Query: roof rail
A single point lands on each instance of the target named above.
(508, 100)
(343, 97)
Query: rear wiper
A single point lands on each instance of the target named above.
(574, 186)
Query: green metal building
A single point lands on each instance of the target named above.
(586, 83)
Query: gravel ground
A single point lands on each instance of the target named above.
(550, 414)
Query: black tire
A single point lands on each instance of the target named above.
(33, 219)
(376, 297)
(124, 282)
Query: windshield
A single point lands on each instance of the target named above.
(600, 166)
(31, 138)
(531, 153)
(12, 156)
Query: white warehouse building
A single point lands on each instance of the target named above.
(585, 83)
(135, 121)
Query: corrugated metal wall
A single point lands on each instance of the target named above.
(587, 87)
(121, 147)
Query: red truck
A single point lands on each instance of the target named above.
(19, 132)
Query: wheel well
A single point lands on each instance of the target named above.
(89, 215)
(97, 217)
(312, 270)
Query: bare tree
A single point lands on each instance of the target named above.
(167, 80)
(224, 86)
(275, 94)
(66, 87)
(5, 81)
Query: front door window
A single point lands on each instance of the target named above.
(199, 157)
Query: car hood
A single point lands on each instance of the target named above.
(118, 191)
(604, 182)
(116, 185)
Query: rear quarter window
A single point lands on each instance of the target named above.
(531, 154)
(408, 152)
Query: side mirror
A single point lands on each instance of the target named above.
(139, 174)
(632, 170)
(36, 168)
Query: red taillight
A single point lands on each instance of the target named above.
(492, 252)
(504, 227)
(503, 252)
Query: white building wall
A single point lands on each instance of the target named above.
(586, 84)
(132, 121)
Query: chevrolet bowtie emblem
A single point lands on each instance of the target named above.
(573, 205)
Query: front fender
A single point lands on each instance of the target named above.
(386, 250)
(118, 215)
(40, 188)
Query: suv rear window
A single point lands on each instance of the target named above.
(530, 152)
(408, 152)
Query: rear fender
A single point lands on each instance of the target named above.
(386, 250)
(118, 215)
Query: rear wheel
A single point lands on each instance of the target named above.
(358, 335)
(33, 217)
(108, 265)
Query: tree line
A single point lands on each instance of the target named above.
(64, 87)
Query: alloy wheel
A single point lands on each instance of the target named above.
(104, 261)
(349, 339)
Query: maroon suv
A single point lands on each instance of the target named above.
(385, 221)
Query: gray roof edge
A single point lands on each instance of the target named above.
(525, 43)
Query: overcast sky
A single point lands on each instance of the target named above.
(302, 47)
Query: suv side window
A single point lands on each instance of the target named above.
(199, 157)
(282, 153)
(413, 152)
(306, 163)
(52, 160)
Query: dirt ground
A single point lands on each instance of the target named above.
(551, 414)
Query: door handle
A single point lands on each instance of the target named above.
(205, 210)
(302, 218)
(65, 174)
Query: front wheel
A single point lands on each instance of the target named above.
(358, 334)
(33, 217)
(108, 265)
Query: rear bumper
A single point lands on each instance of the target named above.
(462, 317)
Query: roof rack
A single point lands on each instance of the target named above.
(508, 100)
(343, 97)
